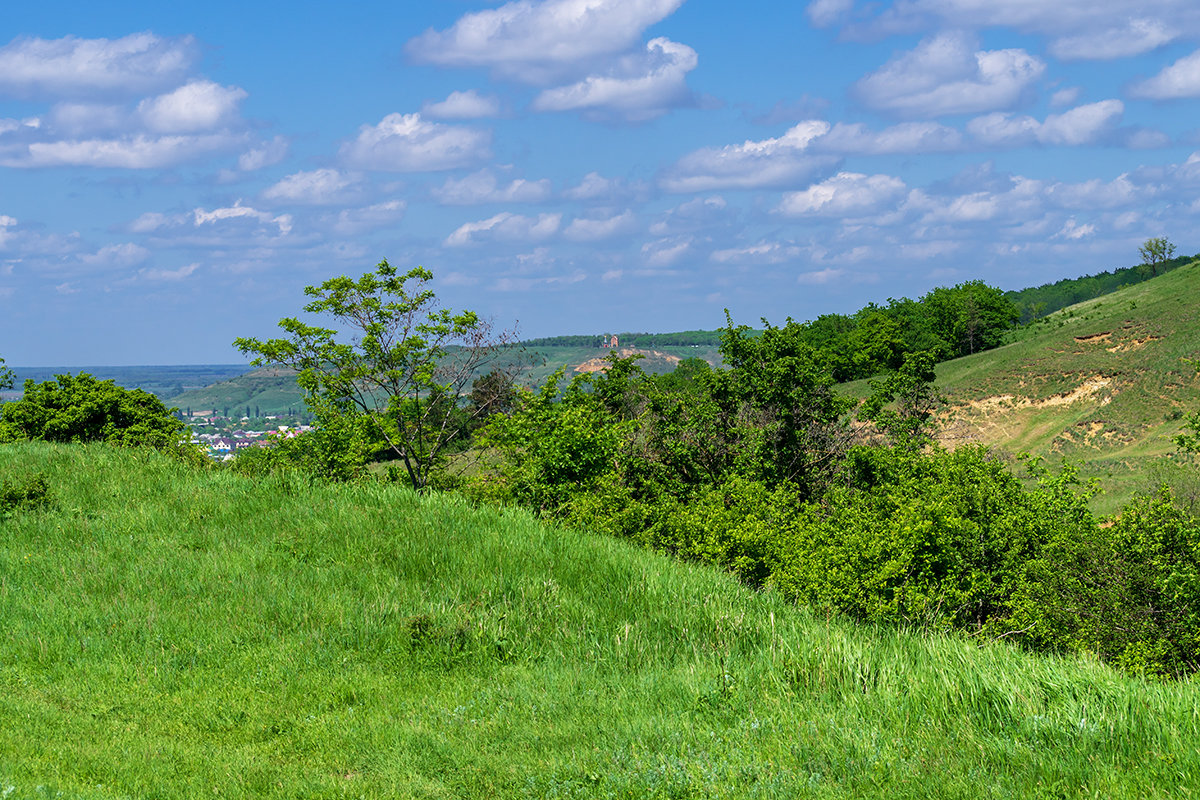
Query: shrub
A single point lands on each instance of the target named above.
(933, 540)
(80, 408)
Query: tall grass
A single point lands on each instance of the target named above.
(178, 633)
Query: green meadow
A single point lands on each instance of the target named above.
(178, 632)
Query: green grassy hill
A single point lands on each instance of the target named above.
(179, 633)
(1103, 382)
(271, 389)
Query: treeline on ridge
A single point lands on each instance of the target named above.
(1037, 301)
(947, 321)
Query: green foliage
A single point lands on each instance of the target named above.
(902, 405)
(406, 368)
(6, 376)
(1130, 594)
(971, 316)
(339, 450)
(19, 494)
(79, 408)
(1189, 440)
(790, 421)
(1156, 252)
(935, 541)
(554, 449)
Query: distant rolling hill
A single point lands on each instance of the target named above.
(1103, 383)
(270, 390)
(166, 381)
(273, 390)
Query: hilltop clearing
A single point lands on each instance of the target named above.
(176, 633)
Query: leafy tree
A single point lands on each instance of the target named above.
(1156, 252)
(405, 368)
(6, 376)
(913, 399)
(80, 408)
(493, 393)
(971, 316)
(554, 448)
(779, 390)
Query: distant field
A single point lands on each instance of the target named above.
(174, 633)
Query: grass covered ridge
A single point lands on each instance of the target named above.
(171, 633)
(1105, 383)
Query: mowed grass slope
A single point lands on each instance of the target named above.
(1103, 383)
(172, 633)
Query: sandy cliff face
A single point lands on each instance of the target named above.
(651, 357)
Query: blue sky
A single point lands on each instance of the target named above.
(172, 175)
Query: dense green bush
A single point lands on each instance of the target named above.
(934, 540)
(1129, 593)
(80, 408)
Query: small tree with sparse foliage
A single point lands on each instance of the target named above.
(1156, 252)
(406, 366)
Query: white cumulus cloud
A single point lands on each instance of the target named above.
(637, 87)
(1081, 125)
(238, 213)
(665, 252)
(594, 230)
(1078, 29)
(946, 74)
(133, 152)
(1180, 80)
(764, 252)
(196, 106)
(506, 227)
(847, 194)
(1133, 38)
(1074, 231)
(484, 187)
(540, 42)
(753, 164)
(315, 187)
(463, 105)
(907, 137)
(75, 67)
(408, 143)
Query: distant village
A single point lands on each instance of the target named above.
(223, 441)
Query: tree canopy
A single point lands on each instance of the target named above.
(80, 408)
(403, 363)
(1156, 252)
